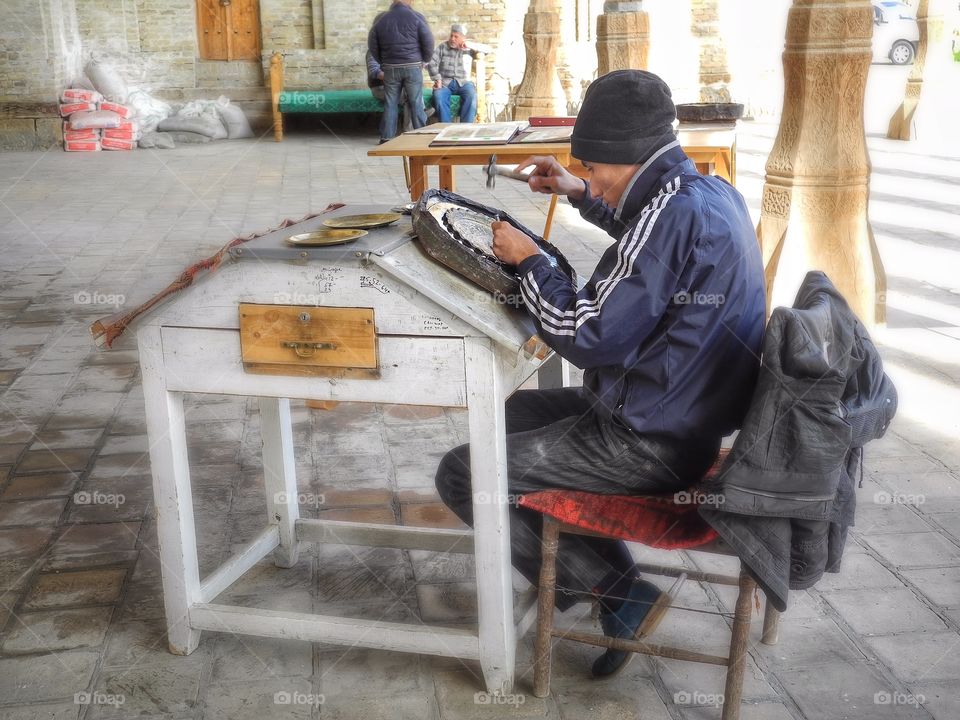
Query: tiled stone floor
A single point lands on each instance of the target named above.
(81, 630)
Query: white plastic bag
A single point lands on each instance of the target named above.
(94, 119)
(158, 140)
(234, 118)
(106, 80)
(148, 110)
(213, 129)
(197, 116)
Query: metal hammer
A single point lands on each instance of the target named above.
(492, 170)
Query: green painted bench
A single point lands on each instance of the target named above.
(342, 101)
(326, 101)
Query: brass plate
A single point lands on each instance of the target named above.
(372, 220)
(325, 237)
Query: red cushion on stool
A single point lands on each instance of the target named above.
(654, 520)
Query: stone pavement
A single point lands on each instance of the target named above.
(81, 629)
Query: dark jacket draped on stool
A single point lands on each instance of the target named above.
(785, 497)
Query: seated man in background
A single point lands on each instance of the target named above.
(449, 69)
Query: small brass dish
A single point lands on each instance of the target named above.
(318, 238)
(371, 220)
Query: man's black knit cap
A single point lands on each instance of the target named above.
(626, 115)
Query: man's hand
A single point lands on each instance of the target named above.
(437, 84)
(380, 75)
(550, 177)
(511, 245)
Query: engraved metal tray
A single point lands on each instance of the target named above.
(365, 221)
(455, 231)
(320, 238)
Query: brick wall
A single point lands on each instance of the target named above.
(325, 42)
(39, 47)
(153, 43)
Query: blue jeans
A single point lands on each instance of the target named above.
(468, 101)
(395, 80)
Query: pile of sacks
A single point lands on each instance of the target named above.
(92, 123)
(110, 116)
(201, 121)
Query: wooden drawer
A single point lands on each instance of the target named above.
(308, 340)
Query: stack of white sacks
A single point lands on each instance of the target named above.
(102, 113)
(93, 123)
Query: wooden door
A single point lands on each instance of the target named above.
(229, 29)
(243, 19)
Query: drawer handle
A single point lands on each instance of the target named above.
(307, 349)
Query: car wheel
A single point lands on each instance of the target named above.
(901, 53)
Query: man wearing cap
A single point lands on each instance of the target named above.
(449, 70)
(667, 330)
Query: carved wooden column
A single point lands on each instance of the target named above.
(714, 74)
(537, 92)
(931, 37)
(623, 37)
(480, 71)
(814, 208)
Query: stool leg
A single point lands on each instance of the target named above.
(549, 224)
(771, 625)
(739, 636)
(546, 592)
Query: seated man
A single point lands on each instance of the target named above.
(449, 69)
(668, 330)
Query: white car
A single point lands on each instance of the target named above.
(895, 32)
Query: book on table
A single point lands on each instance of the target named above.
(478, 133)
(552, 120)
(545, 134)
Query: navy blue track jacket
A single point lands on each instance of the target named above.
(669, 327)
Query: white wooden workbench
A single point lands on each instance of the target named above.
(441, 341)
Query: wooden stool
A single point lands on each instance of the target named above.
(736, 659)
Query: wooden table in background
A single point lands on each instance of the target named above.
(713, 151)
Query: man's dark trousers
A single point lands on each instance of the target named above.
(555, 440)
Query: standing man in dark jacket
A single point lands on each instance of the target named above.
(400, 41)
(668, 330)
